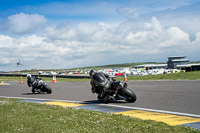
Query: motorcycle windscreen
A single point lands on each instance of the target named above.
(100, 79)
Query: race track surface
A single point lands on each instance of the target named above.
(176, 96)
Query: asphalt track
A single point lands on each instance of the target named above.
(166, 96)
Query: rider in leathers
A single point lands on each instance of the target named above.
(103, 92)
(33, 82)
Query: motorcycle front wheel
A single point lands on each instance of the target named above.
(128, 94)
(47, 89)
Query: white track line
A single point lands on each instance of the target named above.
(111, 105)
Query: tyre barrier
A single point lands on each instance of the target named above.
(57, 76)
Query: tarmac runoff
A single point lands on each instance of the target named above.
(168, 117)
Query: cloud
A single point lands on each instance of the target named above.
(128, 12)
(5, 41)
(4, 61)
(198, 37)
(177, 34)
(23, 23)
(64, 46)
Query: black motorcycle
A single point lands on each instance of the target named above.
(114, 90)
(38, 85)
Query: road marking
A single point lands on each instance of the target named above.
(112, 105)
(161, 117)
(4, 83)
(63, 104)
(154, 110)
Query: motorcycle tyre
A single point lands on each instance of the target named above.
(33, 90)
(129, 94)
(47, 89)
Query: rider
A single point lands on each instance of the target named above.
(30, 80)
(103, 92)
(33, 82)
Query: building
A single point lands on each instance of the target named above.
(173, 61)
(151, 66)
(189, 67)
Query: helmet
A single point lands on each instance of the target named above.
(90, 73)
(28, 75)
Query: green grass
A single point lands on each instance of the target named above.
(22, 117)
(195, 75)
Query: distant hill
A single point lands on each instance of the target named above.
(109, 66)
(124, 65)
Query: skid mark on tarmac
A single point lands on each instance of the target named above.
(170, 119)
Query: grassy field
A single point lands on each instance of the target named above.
(22, 117)
(195, 75)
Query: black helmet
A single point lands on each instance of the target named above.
(90, 73)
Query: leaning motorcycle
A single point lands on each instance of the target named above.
(115, 90)
(38, 85)
(42, 87)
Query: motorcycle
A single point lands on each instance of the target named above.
(115, 90)
(38, 85)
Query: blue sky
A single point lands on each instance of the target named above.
(78, 33)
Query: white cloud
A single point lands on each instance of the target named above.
(31, 40)
(87, 29)
(24, 23)
(60, 33)
(177, 34)
(4, 61)
(147, 25)
(93, 44)
(198, 37)
(156, 24)
(5, 41)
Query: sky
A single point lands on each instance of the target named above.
(63, 34)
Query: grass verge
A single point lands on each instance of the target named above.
(195, 75)
(17, 116)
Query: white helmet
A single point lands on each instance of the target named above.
(28, 75)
